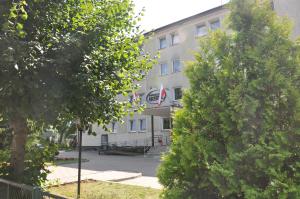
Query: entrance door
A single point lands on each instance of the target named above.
(104, 139)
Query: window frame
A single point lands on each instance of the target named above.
(166, 64)
(162, 120)
(114, 127)
(141, 97)
(173, 61)
(160, 39)
(172, 38)
(140, 125)
(211, 22)
(199, 26)
(175, 88)
(130, 129)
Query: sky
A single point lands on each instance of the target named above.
(162, 12)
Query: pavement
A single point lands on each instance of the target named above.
(133, 170)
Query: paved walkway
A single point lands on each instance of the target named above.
(132, 170)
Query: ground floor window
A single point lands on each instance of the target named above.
(166, 123)
(132, 125)
(177, 93)
(113, 127)
(142, 124)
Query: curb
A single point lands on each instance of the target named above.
(128, 178)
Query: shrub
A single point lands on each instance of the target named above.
(35, 163)
(238, 134)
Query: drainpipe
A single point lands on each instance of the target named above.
(152, 129)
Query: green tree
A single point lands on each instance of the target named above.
(238, 134)
(68, 57)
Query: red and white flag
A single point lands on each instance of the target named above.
(162, 94)
(135, 97)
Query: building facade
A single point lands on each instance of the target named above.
(176, 43)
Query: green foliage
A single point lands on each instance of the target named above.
(238, 134)
(35, 163)
(75, 58)
(71, 58)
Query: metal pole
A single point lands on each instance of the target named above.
(152, 129)
(79, 164)
(7, 191)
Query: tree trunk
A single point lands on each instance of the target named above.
(61, 136)
(20, 132)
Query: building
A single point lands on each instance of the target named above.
(290, 9)
(176, 43)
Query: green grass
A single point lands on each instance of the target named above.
(68, 161)
(106, 190)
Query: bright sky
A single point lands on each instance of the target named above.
(162, 12)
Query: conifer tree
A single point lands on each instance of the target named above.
(238, 135)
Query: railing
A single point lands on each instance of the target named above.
(158, 141)
(12, 190)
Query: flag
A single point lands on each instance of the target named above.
(135, 97)
(162, 94)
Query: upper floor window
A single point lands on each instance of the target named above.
(176, 66)
(163, 69)
(175, 39)
(142, 98)
(142, 124)
(272, 5)
(132, 125)
(162, 42)
(214, 25)
(130, 99)
(177, 93)
(142, 52)
(201, 30)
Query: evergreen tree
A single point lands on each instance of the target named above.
(238, 135)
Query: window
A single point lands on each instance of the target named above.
(130, 99)
(166, 122)
(272, 5)
(132, 126)
(142, 99)
(162, 43)
(163, 69)
(142, 52)
(113, 127)
(142, 72)
(201, 30)
(175, 39)
(142, 124)
(177, 93)
(214, 25)
(176, 66)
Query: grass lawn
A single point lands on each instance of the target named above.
(106, 190)
(68, 161)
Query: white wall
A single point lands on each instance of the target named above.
(290, 9)
(184, 51)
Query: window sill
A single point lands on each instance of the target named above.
(177, 100)
(176, 44)
(162, 48)
(200, 36)
(132, 132)
(143, 131)
(176, 72)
